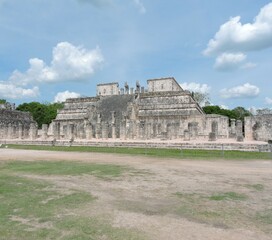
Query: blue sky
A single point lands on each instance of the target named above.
(51, 50)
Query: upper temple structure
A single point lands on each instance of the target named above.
(163, 111)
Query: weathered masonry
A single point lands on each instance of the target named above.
(15, 124)
(162, 111)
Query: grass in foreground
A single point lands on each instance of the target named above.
(65, 168)
(36, 209)
(157, 152)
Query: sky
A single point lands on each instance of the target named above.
(54, 49)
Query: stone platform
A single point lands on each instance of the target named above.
(253, 146)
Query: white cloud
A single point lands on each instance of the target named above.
(62, 96)
(244, 91)
(233, 36)
(11, 91)
(268, 100)
(69, 63)
(224, 107)
(249, 65)
(195, 87)
(140, 6)
(229, 61)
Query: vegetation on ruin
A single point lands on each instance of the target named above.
(155, 152)
(2, 101)
(238, 113)
(43, 113)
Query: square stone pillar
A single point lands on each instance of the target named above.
(239, 131)
(56, 130)
(105, 130)
(20, 131)
(44, 131)
(33, 131)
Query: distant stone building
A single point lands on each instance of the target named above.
(163, 111)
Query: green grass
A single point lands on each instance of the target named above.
(221, 210)
(257, 187)
(265, 217)
(157, 152)
(32, 209)
(65, 168)
(228, 196)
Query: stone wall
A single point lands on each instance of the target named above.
(258, 127)
(16, 125)
(163, 85)
(107, 89)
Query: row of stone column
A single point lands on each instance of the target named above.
(18, 131)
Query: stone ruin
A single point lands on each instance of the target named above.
(163, 111)
(16, 124)
(259, 127)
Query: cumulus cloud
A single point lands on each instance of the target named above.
(62, 96)
(69, 63)
(140, 6)
(196, 87)
(268, 100)
(229, 61)
(244, 91)
(11, 91)
(234, 39)
(234, 36)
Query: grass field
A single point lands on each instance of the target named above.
(37, 209)
(156, 152)
(135, 196)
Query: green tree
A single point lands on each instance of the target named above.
(238, 113)
(2, 101)
(42, 113)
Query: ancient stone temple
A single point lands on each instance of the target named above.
(162, 111)
(15, 124)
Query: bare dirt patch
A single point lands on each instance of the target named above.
(171, 199)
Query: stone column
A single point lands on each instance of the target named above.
(98, 126)
(113, 126)
(56, 130)
(239, 131)
(33, 131)
(232, 128)
(70, 131)
(248, 128)
(10, 131)
(105, 130)
(44, 131)
(142, 130)
(89, 131)
(149, 131)
(20, 131)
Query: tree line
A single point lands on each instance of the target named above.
(43, 113)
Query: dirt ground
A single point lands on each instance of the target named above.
(174, 199)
